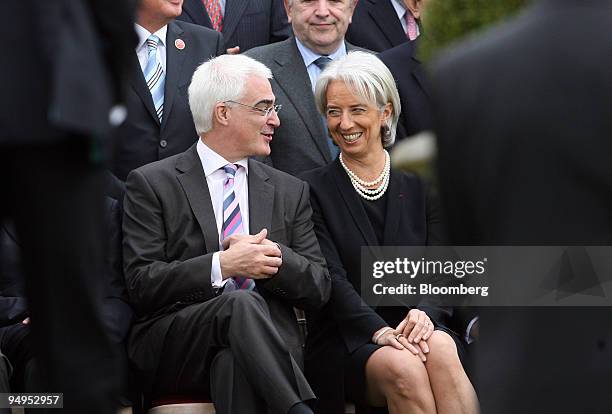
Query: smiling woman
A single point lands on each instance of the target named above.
(399, 357)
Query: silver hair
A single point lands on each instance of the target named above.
(220, 79)
(368, 78)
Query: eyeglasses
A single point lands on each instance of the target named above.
(265, 112)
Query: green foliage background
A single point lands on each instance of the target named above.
(446, 21)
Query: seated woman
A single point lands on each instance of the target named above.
(389, 356)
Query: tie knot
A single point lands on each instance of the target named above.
(230, 170)
(322, 62)
(152, 42)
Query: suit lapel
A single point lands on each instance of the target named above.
(234, 9)
(192, 179)
(293, 78)
(353, 204)
(386, 19)
(139, 85)
(261, 199)
(395, 205)
(418, 72)
(174, 64)
(197, 12)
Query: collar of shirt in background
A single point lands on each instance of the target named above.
(141, 48)
(309, 57)
(401, 10)
(212, 163)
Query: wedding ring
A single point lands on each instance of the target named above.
(399, 336)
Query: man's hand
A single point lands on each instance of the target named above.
(233, 50)
(249, 256)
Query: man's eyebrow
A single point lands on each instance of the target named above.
(268, 102)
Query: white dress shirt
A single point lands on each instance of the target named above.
(213, 164)
(142, 51)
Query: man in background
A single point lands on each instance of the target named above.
(524, 141)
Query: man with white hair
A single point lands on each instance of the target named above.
(218, 249)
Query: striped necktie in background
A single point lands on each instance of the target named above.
(154, 76)
(411, 26)
(232, 224)
(213, 8)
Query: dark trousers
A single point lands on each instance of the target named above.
(54, 194)
(230, 349)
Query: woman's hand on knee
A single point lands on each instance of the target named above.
(397, 340)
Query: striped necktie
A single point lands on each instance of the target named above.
(411, 26)
(232, 224)
(213, 8)
(154, 76)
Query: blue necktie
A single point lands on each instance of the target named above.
(154, 76)
(321, 63)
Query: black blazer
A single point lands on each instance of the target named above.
(524, 159)
(116, 312)
(141, 139)
(246, 23)
(413, 87)
(375, 26)
(343, 227)
(65, 67)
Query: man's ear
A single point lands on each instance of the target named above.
(288, 9)
(414, 7)
(221, 114)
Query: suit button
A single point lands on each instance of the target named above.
(163, 143)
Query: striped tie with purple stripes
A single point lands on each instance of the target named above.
(232, 224)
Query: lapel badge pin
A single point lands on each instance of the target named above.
(179, 44)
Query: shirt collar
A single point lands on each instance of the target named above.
(211, 161)
(309, 56)
(143, 35)
(400, 9)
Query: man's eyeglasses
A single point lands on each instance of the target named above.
(263, 111)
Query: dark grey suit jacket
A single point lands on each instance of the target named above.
(142, 139)
(524, 159)
(300, 143)
(246, 23)
(375, 26)
(413, 88)
(170, 235)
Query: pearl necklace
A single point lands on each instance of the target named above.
(360, 185)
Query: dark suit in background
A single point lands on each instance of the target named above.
(170, 237)
(246, 23)
(524, 159)
(413, 87)
(15, 339)
(300, 143)
(141, 139)
(376, 26)
(63, 72)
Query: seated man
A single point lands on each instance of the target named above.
(222, 322)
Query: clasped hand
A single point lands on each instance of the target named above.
(412, 334)
(251, 256)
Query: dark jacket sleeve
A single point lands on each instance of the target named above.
(356, 320)
(303, 279)
(155, 281)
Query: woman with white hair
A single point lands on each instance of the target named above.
(402, 358)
